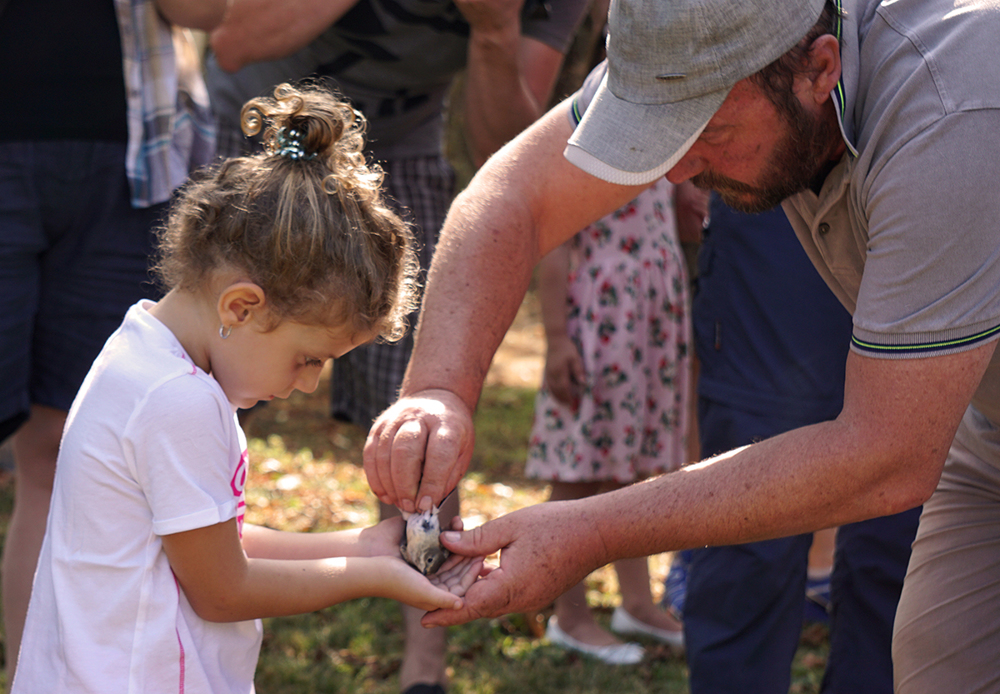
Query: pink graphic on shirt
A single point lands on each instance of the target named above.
(237, 484)
(241, 512)
(240, 476)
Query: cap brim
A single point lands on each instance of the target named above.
(630, 144)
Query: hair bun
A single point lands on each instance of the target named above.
(324, 126)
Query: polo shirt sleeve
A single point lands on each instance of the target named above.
(931, 282)
(585, 94)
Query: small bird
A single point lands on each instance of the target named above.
(421, 545)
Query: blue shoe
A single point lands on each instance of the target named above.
(675, 584)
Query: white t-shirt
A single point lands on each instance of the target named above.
(151, 447)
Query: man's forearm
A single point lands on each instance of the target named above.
(256, 30)
(499, 102)
(506, 89)
(882, 455)
(804, 480)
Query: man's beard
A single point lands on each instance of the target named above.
(798, 158)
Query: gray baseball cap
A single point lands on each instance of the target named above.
(671, 64)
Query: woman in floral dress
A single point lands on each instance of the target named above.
(613, 407)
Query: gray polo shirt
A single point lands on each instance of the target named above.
(906, 229)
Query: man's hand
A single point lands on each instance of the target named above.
(492, 15)
(458, 574)
(256, 30)
(418, 449)
(544, 550)
(691, 206)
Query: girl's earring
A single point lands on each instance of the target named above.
(225, 331)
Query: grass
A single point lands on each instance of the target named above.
(306, 475)
(357, 646)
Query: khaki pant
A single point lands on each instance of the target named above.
(947, 632)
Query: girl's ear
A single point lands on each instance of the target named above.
(238, 303)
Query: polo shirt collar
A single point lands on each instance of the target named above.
(845, 93)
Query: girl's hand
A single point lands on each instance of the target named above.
(382, 539)
(442, 591)
(458, 572)
(564, 372)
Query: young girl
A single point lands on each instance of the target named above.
(613, 405)
(149, 579)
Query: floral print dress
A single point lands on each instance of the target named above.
(628, 315)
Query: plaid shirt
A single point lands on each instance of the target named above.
(170, 128)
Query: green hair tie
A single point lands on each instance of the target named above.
(290, 145)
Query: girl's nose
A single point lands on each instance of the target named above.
(308, 380)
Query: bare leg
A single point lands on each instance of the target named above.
(576, 619)
(637, 599)
(571, 610)
(819, 570)
(821, 551)
(424, 650)
(36, 445)
(423, 654)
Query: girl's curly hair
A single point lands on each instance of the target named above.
(312, 228)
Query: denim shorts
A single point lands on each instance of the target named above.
(74, 255)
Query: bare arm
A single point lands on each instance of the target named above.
(564, 373)
(882, 455)
(508, 77)
(256, 30)
(524, 202)
(294, 575)
(195, 14)
(379, 540)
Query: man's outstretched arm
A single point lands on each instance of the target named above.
(526, 201)
(882, 455)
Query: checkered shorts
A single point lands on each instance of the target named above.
(366, 380)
